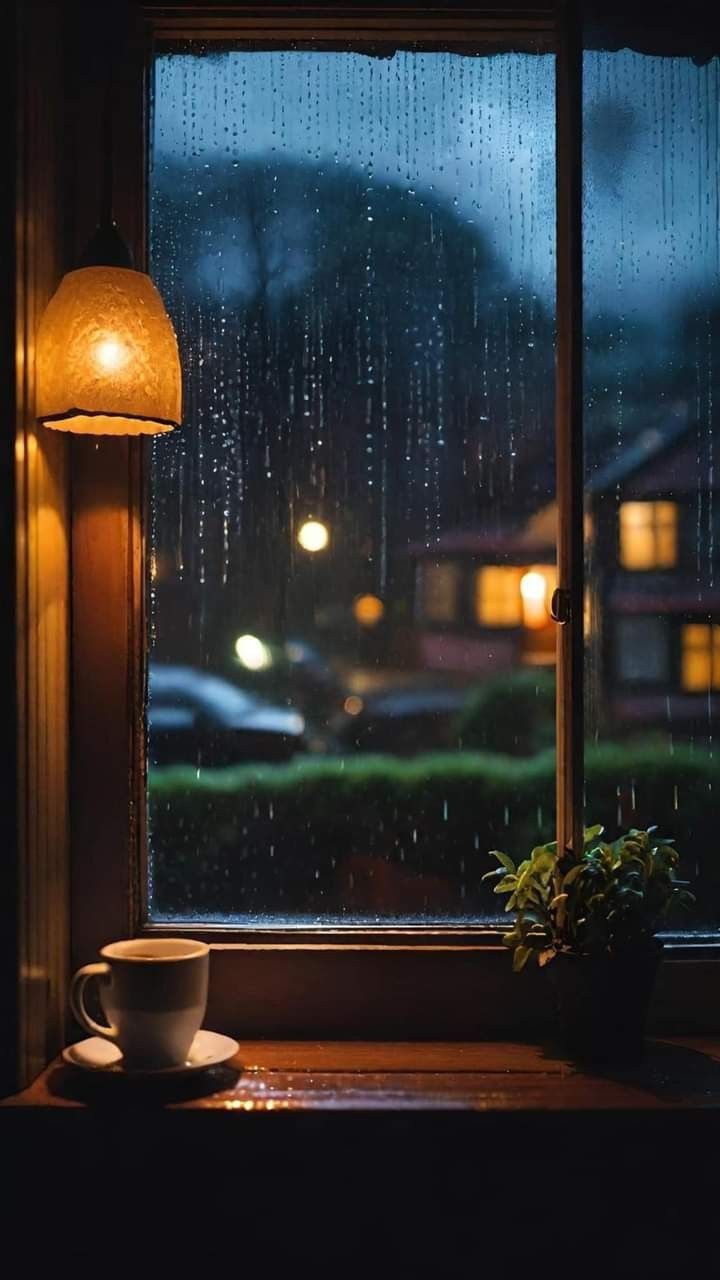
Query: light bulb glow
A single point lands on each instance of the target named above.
(252, 653)
(313, 535)
(533, 587)
(110, 354)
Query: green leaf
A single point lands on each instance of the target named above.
(573, 874)
(506, 885)
(503, 858)
(592, 833)
(521, 956)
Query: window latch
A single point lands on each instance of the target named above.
(560, 605)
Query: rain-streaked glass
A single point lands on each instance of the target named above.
(652, 388)
(352, 536)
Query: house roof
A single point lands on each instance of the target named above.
(648, 446)
(537, 538)
(482, 542)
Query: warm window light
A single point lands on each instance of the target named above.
(368, 610)
(648, 535)
(532, 587)
(536, 588)
(700, 657)
(497, 596)
(313, 535)
(107, 355)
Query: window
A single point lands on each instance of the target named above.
(648, 535)
(652, 303)
(212, 246)
(438, 593)
(700, 657)
(537, 585)
(641, 650)
(358, 254)
(498, 602)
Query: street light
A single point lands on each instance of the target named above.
(313, 536)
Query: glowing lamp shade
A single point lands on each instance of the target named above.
(107, 356)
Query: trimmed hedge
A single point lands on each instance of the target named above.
(377, 834)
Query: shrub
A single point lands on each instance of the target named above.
(513, 713)
(291, 838)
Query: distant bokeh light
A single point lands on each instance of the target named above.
(368, 610)
(313, 535)
(252, 653)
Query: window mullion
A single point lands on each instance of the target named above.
(569, 430)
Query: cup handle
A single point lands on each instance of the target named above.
(77, 1001)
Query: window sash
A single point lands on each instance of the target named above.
(108, 674)
(110, 864)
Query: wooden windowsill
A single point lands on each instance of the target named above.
(679, 1073)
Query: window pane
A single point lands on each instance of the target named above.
(358, 255)
(498, 602)
(438, 591)
(652, 327)
(641, 647)
(648, 535)
(697, 659)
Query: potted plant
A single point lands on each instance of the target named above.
(593, 921)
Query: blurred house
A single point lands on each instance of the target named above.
(653, 571)
(652, 609)
(482, 599)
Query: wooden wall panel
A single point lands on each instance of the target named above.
(42, 553)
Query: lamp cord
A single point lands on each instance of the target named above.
(106, 248)
(107, 132)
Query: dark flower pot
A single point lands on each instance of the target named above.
(602, 1002)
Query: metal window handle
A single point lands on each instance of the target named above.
(561, 605)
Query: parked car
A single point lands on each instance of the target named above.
(199, 718)
(403, 721)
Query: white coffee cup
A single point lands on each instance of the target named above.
(153, 992)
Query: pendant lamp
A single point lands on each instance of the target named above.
(107, 355)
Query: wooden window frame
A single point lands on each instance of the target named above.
(341, 981)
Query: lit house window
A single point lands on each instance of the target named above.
(700, 656)
(498, 602)
(648, 535)
(439, 591)
(536, 590)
